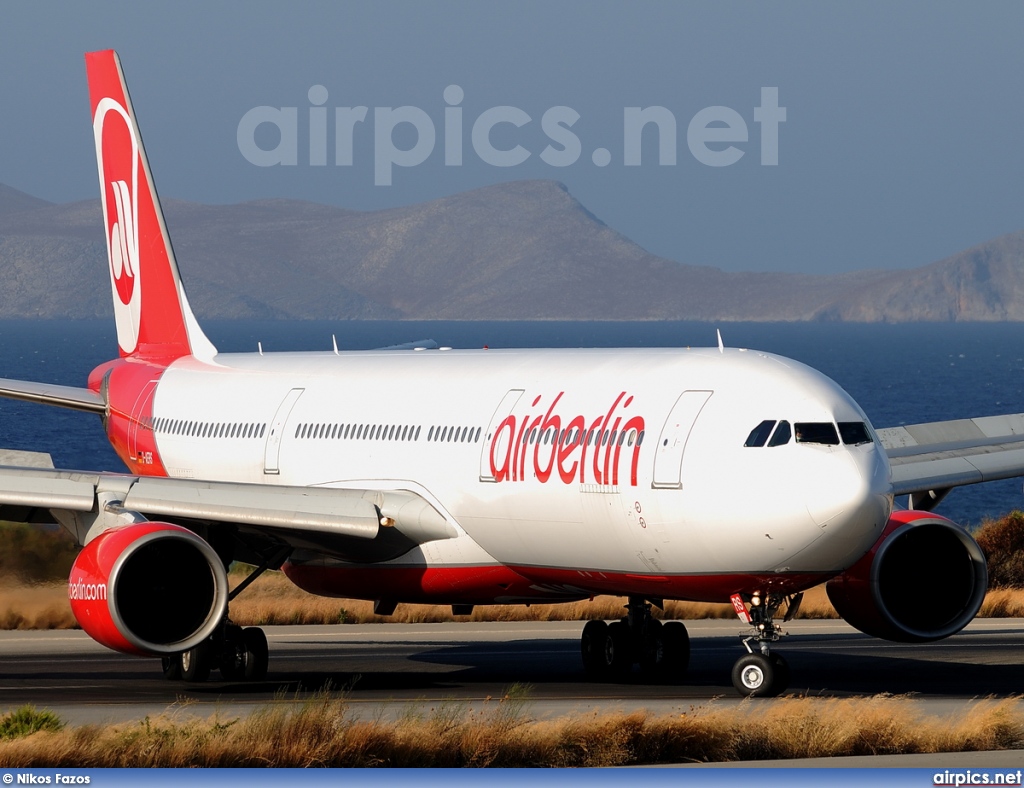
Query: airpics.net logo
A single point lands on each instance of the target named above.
(716, 136)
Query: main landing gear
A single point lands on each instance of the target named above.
(610, 650)
(239, 654)
(760, 672)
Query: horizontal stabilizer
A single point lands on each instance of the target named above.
(25, 459)
(420, 344)
(52, 394)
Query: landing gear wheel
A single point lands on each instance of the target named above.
(257, 654)
(592, 647)
(195, 663)
(171, 667)
(781, 682)
(676, 645)
(618, 652)
(666, 650)
(753, 675)
(232, 659)
(653, 657)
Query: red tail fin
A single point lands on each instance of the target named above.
(152, 313)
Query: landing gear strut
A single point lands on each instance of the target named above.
(760, 672)
(609, 651)
(240, 654)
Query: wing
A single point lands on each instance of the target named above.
(355, 524)
(928, 460)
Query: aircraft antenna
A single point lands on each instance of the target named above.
(334, 341)
(259, 347)
(721, 347)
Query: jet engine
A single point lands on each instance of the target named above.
(924, 579)
(148, 588)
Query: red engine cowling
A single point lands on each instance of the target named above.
(148, 588)
(924, 579)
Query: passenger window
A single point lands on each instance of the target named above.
(854, 433)
(759, 435)
(781, 435)
(823, 432)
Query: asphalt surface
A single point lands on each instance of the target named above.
(385, 669)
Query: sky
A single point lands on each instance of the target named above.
(897, 126)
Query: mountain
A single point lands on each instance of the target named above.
(985, 282)
(519, 250)
(14, 201)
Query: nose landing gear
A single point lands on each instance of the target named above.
(662, 650)
(760, 672)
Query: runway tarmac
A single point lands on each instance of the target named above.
(385, 668)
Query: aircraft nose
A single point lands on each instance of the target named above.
(847, 497)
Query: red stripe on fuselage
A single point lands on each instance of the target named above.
(497, 584)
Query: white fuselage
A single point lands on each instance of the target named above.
(671, 490)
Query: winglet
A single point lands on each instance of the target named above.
(153, 316)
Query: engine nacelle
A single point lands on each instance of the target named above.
(148, 588)
(924, 579)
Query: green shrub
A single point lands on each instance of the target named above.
(26, 720)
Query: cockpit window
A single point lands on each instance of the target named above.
(854, 433)
(817, 432)
(781, 435)
(759, 435)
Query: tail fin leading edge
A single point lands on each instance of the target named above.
(152, 313)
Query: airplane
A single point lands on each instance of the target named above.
(424, 474)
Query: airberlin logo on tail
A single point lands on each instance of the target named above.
(124, 247)
(547, 444)
(117, 153)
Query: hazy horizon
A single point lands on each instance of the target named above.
(896, 139)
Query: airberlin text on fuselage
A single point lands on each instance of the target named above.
(573, 449)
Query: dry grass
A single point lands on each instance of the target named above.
(39, 606)
(321, 732)
(273, 600)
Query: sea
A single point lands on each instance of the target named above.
(899, 373)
